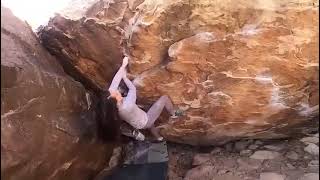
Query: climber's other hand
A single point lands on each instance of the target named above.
(125, 61)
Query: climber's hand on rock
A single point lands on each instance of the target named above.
(125, 61)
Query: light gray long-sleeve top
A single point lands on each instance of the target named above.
(128, 109)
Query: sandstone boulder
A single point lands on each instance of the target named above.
(245, 69)
(87, 38)
(47, 118)
(239, 70)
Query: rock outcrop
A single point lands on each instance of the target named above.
(239, 70)
(88, 38)
(248, 69)
(47, 118)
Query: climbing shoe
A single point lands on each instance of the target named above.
(177, 113)
(138, 135)
(156, 140)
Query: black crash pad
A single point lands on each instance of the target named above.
(153, 171)
(143, 161)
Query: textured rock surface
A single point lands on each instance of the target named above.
(271, 176)
(310, 140)
(245, 69)
(47, 119)
(265, 155)
(204, 172)
(87, 40)
(248, 69)
(201, 159)
(310, 176)
(312, 149)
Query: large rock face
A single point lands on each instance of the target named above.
(87, 39)
(244, 69)
(47, 119)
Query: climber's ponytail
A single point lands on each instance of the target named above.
(108, 120)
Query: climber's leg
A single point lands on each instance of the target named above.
(156, 109)
(155, 132)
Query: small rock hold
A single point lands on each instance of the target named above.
(229, 163)
(265, 155)
(271, 176)
(313, 163)
(292, 155)
(222, 171)
(200, 172)
(274, 147)
(248, 164)
(290, 166)
(307, 157)
(246, 152)
(313, 140)
(253, 146)
(310, 176)
(199, 159)
(241, 145)
(250, 141)
(216, 150)
(228, 176)
(294, 174)
(312, 149)
(258, 142)
(229, 147)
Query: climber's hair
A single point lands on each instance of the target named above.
(108, 122)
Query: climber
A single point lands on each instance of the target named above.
(126, 108)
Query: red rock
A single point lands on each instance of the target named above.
(47, 118)
(87, 39)
(245, 69)
(240, 70)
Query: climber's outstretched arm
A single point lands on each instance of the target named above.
(117, 78)
(132, 94)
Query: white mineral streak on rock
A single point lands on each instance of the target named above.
(306, 110)
(174, 49)
(195, 103)
(205, 36)
(219, 98)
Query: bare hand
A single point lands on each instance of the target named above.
(125, 61)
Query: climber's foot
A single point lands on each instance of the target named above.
(160, 139)
(157, 139)
(138, 135)
(177, 114)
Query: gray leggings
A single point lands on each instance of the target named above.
(156, 109)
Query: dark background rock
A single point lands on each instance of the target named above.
(47, 119)
(88, 51)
